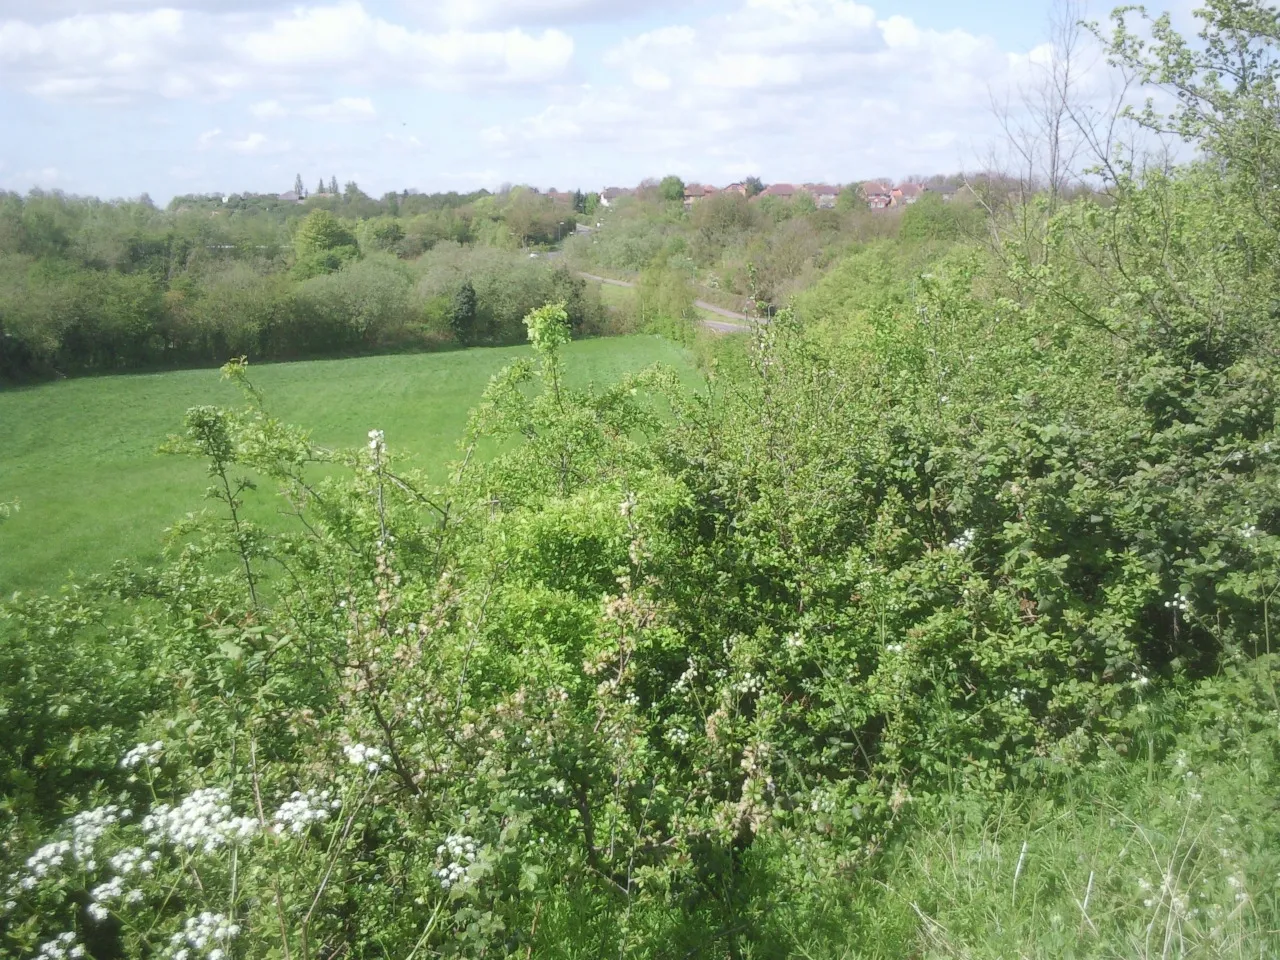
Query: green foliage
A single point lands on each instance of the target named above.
(933, 220)
(671, 189)
(323, 244)
(462, 313)
(937, 624)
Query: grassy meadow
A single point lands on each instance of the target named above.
(80, 455)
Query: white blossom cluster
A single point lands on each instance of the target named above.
(894, 647)
(60, 948)
(1248, 531)
(208, 935)
(203, 820)
(458, 853)
(133, 859)
(371, 758)
(378, 447)
(44, 861)
(303, 809)
(686, 678)
(750, 683)
(88, 826)
(107, 893)
(963, 542)
(144, 754)
(1179, 603)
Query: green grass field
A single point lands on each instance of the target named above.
(80, 455)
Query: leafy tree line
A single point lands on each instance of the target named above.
(738, 250)
(87, 285)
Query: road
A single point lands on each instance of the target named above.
(719, 326)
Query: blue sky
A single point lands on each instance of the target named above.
(118, 97)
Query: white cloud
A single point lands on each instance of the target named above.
(502, 13)
(342, 109)
(257, 144)
(206, 139)
(181, 54)
(347, 37)
(268, 110)
(795, 82)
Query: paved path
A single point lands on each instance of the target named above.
(719, 326)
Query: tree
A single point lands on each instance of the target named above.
(671, 188)
(579, 201)
(754, 185)
(333, 185)
(323, 244)
(462, 314)
(320, 186)
(298, 188)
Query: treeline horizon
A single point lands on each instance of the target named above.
(93, 286)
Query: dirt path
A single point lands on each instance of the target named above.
(719, 326)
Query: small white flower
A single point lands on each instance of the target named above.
(371, 758)
(144, 754)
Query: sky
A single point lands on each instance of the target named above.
(119, 97)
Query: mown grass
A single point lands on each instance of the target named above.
(81, 458)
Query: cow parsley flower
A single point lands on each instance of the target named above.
(45, 860)
(88, 827)
(62, 947)
(103, 894)
(1179, 603)
(207, 935)
(371, 758)
(144, 754)
(134, 859)
(963, 542)
(457, 854)
(203, 820)
(303, 809)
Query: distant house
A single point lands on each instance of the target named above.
(291, 197)
(697, 191)
(911, 192)
(879, 196)
(824, 195)
(610, 194)
(947, 191)
(784, 190)
(740, 188)
(560, 196)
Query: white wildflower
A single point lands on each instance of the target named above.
(45, 860)
(963, 542)
(88, 827)
(202, 821)
(61, 947)
(207, 935)
(1179, 603)
(303, 809)
(144, 754)
(370, 758)
(457, 853)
